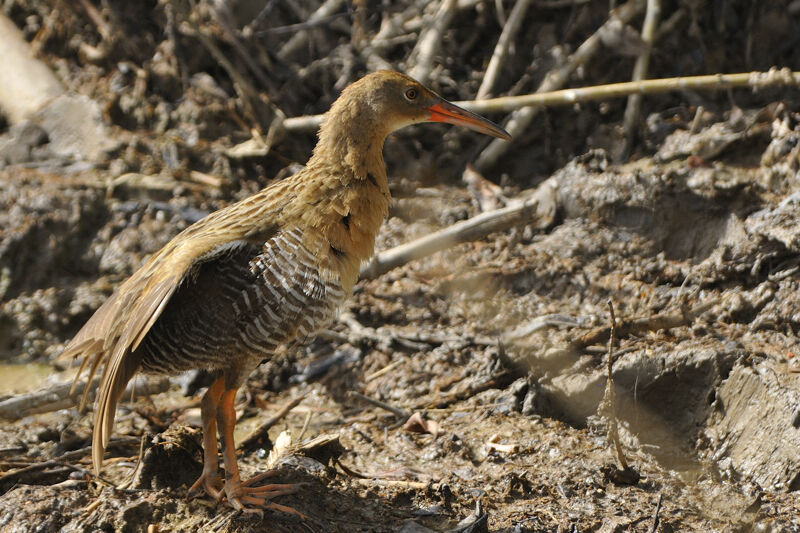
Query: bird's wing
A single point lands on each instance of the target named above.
(112, 334)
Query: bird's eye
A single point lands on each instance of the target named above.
(411, 93)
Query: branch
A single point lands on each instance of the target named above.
(298, 40)
(633, 109)
(556, 79)
(711, 82)
(501, 49)
(28, 84)
(539, 207)
(63, 397)
(430, 40)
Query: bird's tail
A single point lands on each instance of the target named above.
(111, 388)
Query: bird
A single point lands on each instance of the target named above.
(266, 272)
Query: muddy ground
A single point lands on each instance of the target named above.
(488, 359)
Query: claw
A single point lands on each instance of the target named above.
(242, 496)
(210, 482)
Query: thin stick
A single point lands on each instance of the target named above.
(306, 423)
(223, 18)
(712, 82)
(656, 518)
(400, 413)
(607, 405)
(297, 40)
(247, 442)
(666, 320)
(415, 485)
(555, 79)
(382, 371)
(773, 77)
(540, 206)
(127, 483)
(501, 49)
(634, 107)
(430, 40)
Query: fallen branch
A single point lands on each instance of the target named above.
(381, 338)
(62, 397)
(539, 207)
(625, 328)
(31, 474)
(553, 360)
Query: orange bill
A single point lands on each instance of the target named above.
(444, 111)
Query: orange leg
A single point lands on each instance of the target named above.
(241, 495)
(209, 479)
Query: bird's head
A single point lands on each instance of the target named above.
(395, 100)
(354, 130)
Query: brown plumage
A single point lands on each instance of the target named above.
(270, 270)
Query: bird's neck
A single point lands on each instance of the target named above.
(352, 137)
(346, 196)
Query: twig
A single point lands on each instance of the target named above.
(63, 397)
(102, 25)
(555, 79)
(501, 49)
(378, 373)
(224, 18)
(756, 80)
(255, 435)
(349, 471)
(15, 475)
(306, 423)
(501, 12)
(262, 112)
(624, 328)
(299, 39)
(127, 483)
(415, 485)
(306, 25)
(382, 340)
(399, 413)
(656, 518)
(539, 207)
(607, 405)
(634, 107)
(248, 30)
(429, 41)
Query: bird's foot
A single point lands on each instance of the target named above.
(245, 497)
(210, 482)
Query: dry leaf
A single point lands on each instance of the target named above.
(418, 424)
